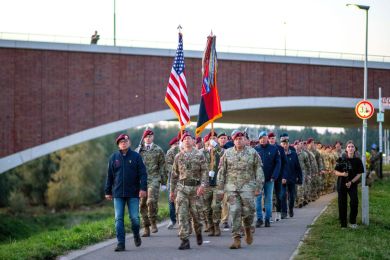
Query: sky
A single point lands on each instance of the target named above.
(313, 25)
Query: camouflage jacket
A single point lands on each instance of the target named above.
(313, 162)
(240, 170)
(318, 158)
(217, 153)
(154, 160)
(304, 161)
(189, 166)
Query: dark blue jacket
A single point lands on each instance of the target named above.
(126, 175)
(270, 156)
(293, 172)
(283, 161)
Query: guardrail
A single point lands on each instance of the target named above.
(191, 46)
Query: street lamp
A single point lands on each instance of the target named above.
(114, 22)
(365, 211)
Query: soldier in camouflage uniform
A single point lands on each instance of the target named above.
(169, 159)
(241, 177)
(320, 170)
(212, 205)
(154, 159)
(189, 179)
(308, 171)
(304, 163)
(313, 173)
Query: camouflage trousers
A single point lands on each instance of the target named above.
(314, 187)
(149, 206)
(300, 194)
(330, 181)
(212, 206)
(307, 189)
(241, 208)
(225, 210)
(188, 207)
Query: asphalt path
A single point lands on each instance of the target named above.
(280, 241)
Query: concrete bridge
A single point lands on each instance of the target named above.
(57, 95)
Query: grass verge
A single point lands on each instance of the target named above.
(327, 240)
(55, 234)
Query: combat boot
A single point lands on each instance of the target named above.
(236, 243)
(146, 232)
(207, 227)
(154, 227)
(185, 244)
(248, 235)
(217, 230)
(199, 238)
(211, 231)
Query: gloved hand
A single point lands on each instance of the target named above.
(163, 188)
(213, 143)
(211, 174)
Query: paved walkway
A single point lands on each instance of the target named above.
(277, 242)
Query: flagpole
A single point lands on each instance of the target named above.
(212, 149)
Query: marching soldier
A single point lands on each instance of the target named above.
(313, 173)
(312, 147)
(241, 177)
(154, 159)
(169, 159)
(189, 179)
(211, 202)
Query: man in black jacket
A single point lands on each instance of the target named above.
(126, 183)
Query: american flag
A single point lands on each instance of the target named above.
(177, 94)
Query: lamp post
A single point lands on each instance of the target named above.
(114, 22)
(365, 215)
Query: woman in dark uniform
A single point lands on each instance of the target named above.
(349, 169)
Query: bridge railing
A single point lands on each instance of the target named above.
(190, 46)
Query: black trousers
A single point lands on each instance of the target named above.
(343, 193)
(278, 191)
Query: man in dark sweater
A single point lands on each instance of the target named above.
(270, 156)
(291, 177)
(126, 182)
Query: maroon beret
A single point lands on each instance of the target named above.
(185, 135)
(237, 134)
(121, 137)
(147, 132)
(173, 140)
(198, 140)
(271, 134)
(296, 142)
(207, 137)
(310, 140)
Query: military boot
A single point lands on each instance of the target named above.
(217, 230)
(154, 227)
(199, 238)
(207, 227)
(211, 231)
(236, 243)
(146, 232)
(248, 235)
(185, 244)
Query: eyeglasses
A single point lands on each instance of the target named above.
(123, 141)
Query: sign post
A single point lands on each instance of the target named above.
(364, 110)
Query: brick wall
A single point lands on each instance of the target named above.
(46, 95)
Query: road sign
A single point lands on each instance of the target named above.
(380, 117)
(364, 109)
(386, 102)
